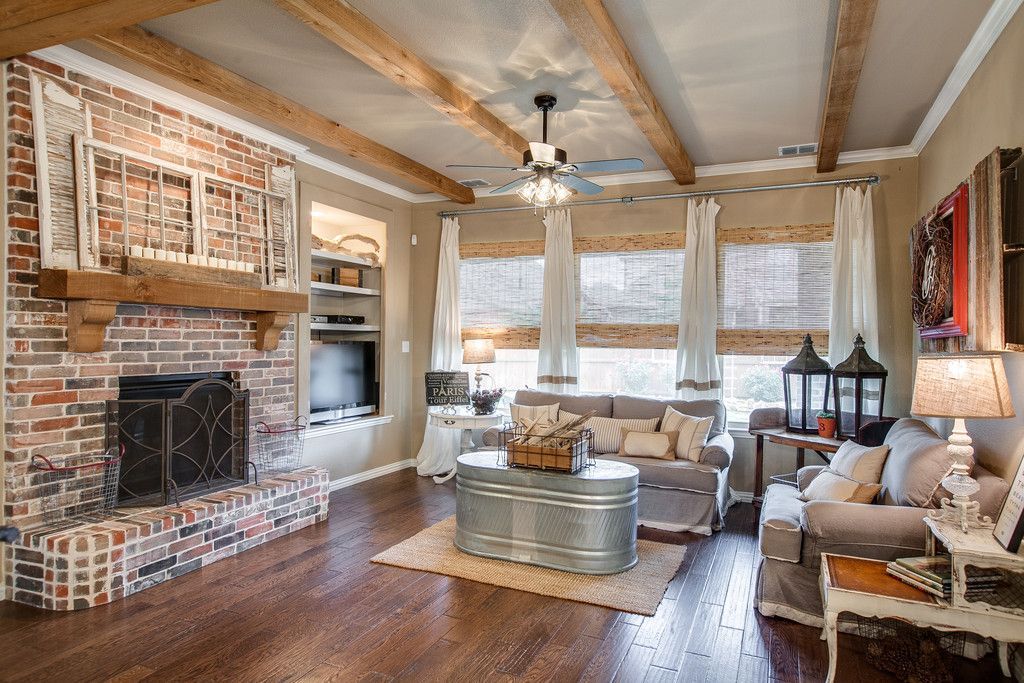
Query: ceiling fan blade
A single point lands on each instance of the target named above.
(579, 184)
(514, 185)
(631, 164)
(493, 168)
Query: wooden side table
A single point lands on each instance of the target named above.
(801, 442)
(861, 586)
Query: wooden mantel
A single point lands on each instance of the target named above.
(93, 297)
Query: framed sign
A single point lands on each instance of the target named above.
(1009, 528)
(447, 388)
(939, 249)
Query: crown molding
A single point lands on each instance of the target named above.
(989, 30)
(343, 171)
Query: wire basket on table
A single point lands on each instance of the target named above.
(278, 445)
(77, 485)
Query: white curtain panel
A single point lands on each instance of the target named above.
(854, 287)
(698, 374)
(441, 446)
(558, 362)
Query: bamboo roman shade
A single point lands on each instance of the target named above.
(773, 285)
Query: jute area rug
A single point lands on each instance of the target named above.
(638, 590)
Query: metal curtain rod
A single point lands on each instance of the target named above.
(869, 179)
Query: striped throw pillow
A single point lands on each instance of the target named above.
(608, 430)
(693, 432)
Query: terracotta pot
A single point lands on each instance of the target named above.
(827, 427)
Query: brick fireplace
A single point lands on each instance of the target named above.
(56, 400)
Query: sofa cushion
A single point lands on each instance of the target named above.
(608, 430)
(860, 463)
(673, 474)
(916, 465)
(780, 535)
(830, 485)
(525, 415)
(638, 444)
(638, 406)
(573, 403)
(693, 432)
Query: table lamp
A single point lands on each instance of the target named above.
(478, 351)
(961, 386)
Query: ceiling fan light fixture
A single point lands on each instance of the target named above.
(527, 191)
(561, 193)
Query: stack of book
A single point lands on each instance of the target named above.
(933, 575)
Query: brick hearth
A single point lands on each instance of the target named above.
(93, 563)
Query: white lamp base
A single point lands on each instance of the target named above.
(961, 510)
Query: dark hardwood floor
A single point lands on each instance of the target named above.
(311, 607)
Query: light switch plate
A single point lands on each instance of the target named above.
(405, 346)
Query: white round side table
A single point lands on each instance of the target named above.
(467, 421)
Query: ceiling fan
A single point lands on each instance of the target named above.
(552, 178)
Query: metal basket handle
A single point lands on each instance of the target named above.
(50, 467)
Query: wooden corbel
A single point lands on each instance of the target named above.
(268, 329)
(87, 324)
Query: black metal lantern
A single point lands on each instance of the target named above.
(859, 388)
(805, 387)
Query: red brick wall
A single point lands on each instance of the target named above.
(55, 399)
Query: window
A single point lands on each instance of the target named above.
(512, 370)
(629, 287)
(648, 372)
(773, 287)
(501, 293)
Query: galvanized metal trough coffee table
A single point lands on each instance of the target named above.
(583, 523)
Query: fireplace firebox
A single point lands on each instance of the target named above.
(184, 436)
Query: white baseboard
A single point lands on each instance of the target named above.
(372, 474)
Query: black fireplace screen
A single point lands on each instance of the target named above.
(183, 437)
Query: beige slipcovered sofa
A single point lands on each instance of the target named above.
(675, 495)
(794, 533)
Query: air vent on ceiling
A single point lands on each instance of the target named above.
(798, 150)
(475, 182)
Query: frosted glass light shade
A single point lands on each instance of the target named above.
(961, 385)
(477, 351)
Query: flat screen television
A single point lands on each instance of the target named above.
(342, 380)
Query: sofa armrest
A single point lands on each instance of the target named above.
(881, 532)
(805, 475)
(718, 451)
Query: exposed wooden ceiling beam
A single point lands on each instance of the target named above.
(27, 25)
(852, 30)
(589, 21)
(170, 60)
(353, 32)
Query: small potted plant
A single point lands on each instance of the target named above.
(826, 424)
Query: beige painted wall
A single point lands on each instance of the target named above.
(351, 452)
(895, 212)
(989, 113)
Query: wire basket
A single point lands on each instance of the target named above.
(77, 485)
(278, 445)
(560, 454)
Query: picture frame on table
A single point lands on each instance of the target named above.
(940, 268)
(1009, 529)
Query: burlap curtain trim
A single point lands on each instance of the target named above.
(556, 379)
(699, 386)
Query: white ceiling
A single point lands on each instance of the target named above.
(736, 78)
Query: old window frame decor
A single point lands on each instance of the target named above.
(940, 268)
